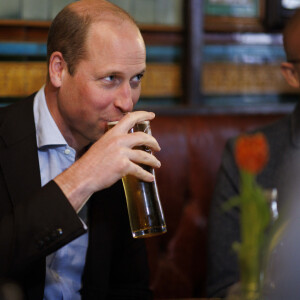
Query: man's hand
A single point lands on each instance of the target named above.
(109, 159)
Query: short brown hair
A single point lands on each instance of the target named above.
(67, 35)
(69, 29)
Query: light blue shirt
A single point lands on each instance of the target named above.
(64, 268)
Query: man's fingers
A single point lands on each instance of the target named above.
(142, 139)
(139, 172)
(130, 119)
(142, 157)
(136, 139)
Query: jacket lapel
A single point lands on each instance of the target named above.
(20, 167)
(18, 150)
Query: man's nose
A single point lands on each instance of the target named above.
(124, 98)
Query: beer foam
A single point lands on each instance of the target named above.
(112, 123)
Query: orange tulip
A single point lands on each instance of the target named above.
(252, 152)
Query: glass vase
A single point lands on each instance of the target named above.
(251, 266)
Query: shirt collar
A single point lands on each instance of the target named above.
(47, 132)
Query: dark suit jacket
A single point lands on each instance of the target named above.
(281, 172)
(36, 221)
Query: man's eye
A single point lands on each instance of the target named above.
(137, 78)
(109, 78)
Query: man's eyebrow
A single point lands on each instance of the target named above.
(142, 72)
(108, 73)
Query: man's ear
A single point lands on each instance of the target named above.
(56, 68)
(290, 74)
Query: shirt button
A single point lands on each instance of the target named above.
(59, 231)
(67, 151)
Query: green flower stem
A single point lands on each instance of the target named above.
(255, 216)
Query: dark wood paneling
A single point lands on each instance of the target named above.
(192, 68)
(23, 30)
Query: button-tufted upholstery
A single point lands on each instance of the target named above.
(191, 154)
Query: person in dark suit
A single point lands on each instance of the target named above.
(64, 230)
(281, 172)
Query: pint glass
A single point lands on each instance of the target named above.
(143, 203)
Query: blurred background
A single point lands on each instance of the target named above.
(212, 54)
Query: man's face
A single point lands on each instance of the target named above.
(106, 83)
